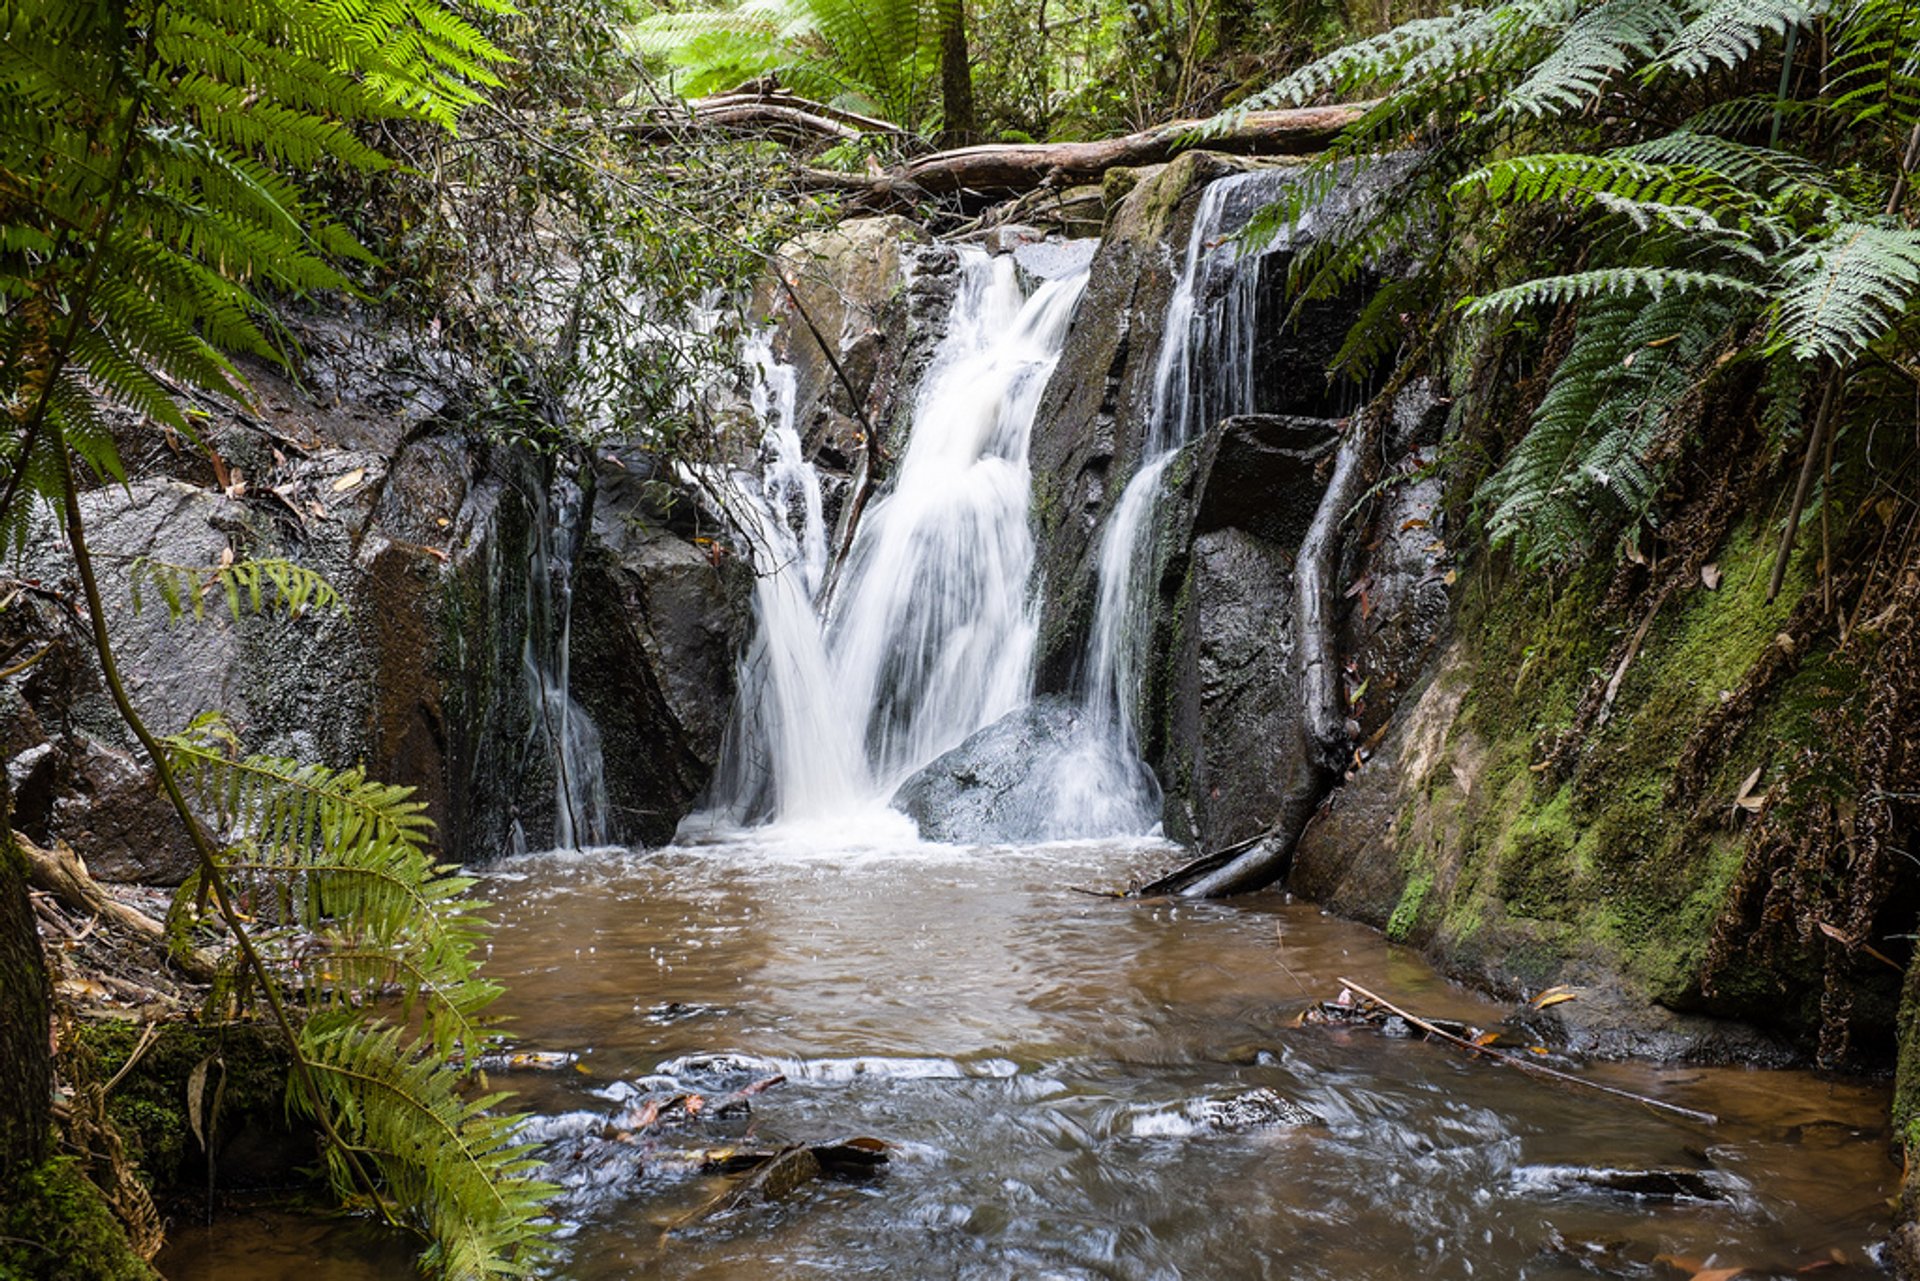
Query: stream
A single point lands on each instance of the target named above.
(1078, 1087)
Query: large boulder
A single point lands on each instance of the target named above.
(999, 787)
(1227, 743)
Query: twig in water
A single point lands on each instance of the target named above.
(1538, 1069)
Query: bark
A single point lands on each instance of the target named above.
(956, 77)
(1002, 169)
(26, 1059)
(60, 872)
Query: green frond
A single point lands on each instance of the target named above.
(255, 585)
(1609, 282)
(1586, 466)
(1846, 290)
(1728, 32)
(1602, 43)
(451, 1167)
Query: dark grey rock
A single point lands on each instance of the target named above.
(112, 813)
(998, 786)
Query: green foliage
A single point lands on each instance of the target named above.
(877, 56)
(152, 161)
(351, 913)
(160, 169)
(1533, 128)
(1585, 466)
(262, 584)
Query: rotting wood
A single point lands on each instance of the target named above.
(60, 872)
(1524, 1065)
(995, 171)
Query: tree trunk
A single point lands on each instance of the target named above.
(26, 1060)
(956, 78)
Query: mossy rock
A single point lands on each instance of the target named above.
(254, 1145)
(56, 1227)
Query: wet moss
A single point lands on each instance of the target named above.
(1406, 913)
(1515, 873)
(149, 1105)
(55, 1226)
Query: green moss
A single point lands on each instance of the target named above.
(149, 1104)
(56, 1225)
(1406, 913)
(1512, 872)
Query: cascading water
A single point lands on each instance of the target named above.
(932, 629)
(1204, 372)
(561, 727)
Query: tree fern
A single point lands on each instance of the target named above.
(1599, 45)
(1585, 466)
(1727, 33)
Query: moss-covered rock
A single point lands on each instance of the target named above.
(253, 1145)
(55, 1226)
(1460, 837)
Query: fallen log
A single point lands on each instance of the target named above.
(1004, 169)
(60, 872)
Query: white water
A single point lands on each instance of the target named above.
(931, 632)
(561, 727)
(1204, 372)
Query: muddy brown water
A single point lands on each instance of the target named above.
(1081, 1087)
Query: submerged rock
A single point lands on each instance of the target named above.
(998, 788)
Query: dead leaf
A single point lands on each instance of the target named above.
(1450, 578)
(1748, 799)
(1710, 577)
(1415, 523)
(1486, 1038)
(196, 1100)
(1717, 1274)
(348, 481)
(238, 489)
(1553, 996)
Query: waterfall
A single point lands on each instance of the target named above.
(932, 628)
(560, 726)
(1204, 372)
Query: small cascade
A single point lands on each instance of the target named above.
(1204, 372)
(934, 632)
(791, 748)
(931, 630)
(561, 728)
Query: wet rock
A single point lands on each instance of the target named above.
(657, 623)
(112, 814)
(1010, 236)
(1660, 1184)
(997, 787)
(1054, 259)
(1252, 1110)
(1227, 750)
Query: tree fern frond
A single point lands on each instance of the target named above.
(1603, 42)
(1608, 282)
(1845, 291)
(1728, 32)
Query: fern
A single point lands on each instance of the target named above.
(1599, 45)
(1728, 32)
(255, 585)
(1585, 468)
(1608, 282)
(876, 56)
(1845, 290)
(155, 171)
(351, 912)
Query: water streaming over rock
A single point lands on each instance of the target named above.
(1204, 372)
(561, 728)
(930, 633)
